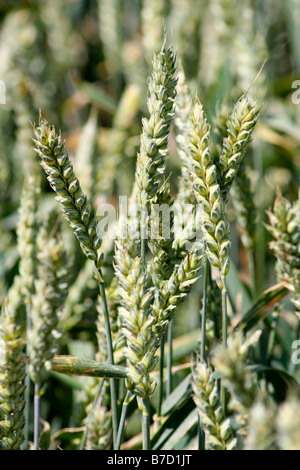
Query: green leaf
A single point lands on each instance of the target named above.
(185, 426)
(68, 434)
(97, 96)
(170, 426)
(77, 366)
(178, 396)
(287, 378)
(82, 349)
(185, 345)
(45, 435)
(264, 305)
(69, 381)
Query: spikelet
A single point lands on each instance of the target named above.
(241, 191)
(60, 174)
(174, 292)
(12, 374)
(98, 426)
(154, 138)
(208, 195)
(51, 290)
(231, 364)
(285, 228)
(240, 127)
(218, 430)
(261, 431)
(27, 233)
(161, 236)
(136, 318)
(288, 423)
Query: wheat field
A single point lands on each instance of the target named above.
(150, 226)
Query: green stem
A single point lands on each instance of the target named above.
(27, 383)
(36, 431)
(252, 273)
(161, 375)
(204, 310)
(123, 419)
(224, 342)
(112, 382)
(272, 336)
(260, 230)
(201, 436)
(170, 358)
(146, 424)
(224, 318)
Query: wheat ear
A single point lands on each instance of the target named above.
(154, 138)
(285, 228)
(208, 194)
(12, 374)
(240, 127)
(218, 430)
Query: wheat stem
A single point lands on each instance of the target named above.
(204, 310)
(170, 358)
(161, 375)
(146, 423)
(252, 273)
(36, 415)
(123, 419)
(112, 382)
(224, 342)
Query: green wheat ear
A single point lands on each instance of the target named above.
(98, 424)
(27, 230)
(218, 431)
(12, 374)
(154, 139)
(51, 290)
(240, 127)
(62, 179)
(285, 228)
(208, 193)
